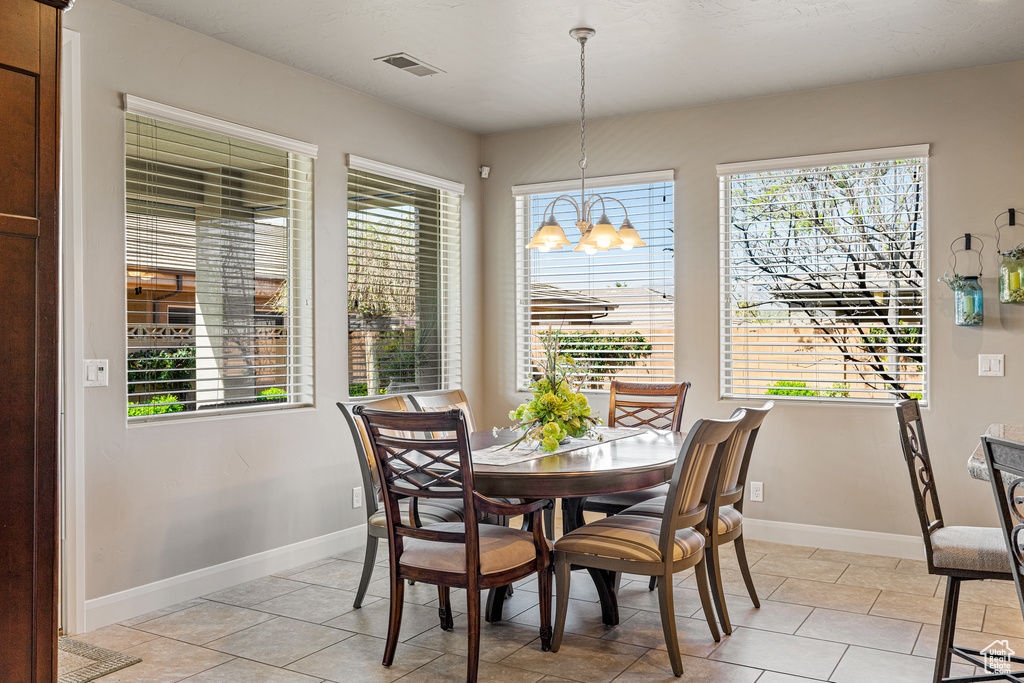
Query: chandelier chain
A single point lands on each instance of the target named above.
(583, 213)
(583, 104)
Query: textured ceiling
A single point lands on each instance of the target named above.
(510, 64)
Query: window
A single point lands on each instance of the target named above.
(614, 309)
(823, 276)
(218, 236)
(404, 291)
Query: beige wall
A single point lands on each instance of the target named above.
(826, 465)
(162, 500)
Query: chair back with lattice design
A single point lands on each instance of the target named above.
(1005, 460)
(692, 489)
(652, 406)
(732, 476)
(915, 452)
(414, 464)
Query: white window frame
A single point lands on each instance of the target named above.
(300, 268)
(725, 171)
(524, 229)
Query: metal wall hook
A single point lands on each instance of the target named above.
(1011, 222)
(969, 241)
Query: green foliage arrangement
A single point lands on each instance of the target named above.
(167, 403)
(955, 282)
(557, 409)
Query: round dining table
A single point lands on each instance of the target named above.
(636, 462)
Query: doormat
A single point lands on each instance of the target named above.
(79, 662)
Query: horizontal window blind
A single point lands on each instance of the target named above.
(404, 286)
(613, 310)
(218, 249)
(823, 280)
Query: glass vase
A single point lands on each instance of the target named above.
(970, 303)
(1011, 280)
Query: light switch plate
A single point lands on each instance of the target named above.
(991, 365)
(95, 372)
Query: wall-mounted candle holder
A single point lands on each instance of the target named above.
(1011, 269)
(968, 297)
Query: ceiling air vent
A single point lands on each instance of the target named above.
(411, 64)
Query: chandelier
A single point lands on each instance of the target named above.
(594, 237)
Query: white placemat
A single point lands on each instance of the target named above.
(501, 457)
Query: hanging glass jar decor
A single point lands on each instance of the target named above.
(968, 298)
(1011, 276)
(970, 304)
(1011, 270)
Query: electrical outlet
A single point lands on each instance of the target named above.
(757, 492)
(357, 497)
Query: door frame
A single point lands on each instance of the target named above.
(72, 305)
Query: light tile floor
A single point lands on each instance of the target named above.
(824, 616)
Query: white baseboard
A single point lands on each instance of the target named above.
(133, 602)
(834, 538)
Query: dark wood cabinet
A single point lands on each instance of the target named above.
(29, 163)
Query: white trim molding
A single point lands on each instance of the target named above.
(117, 607)
(595, 183)
(72, 321)
(165, 112)
(834, 538)
(398, 173)
(834, 159)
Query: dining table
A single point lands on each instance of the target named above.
(976, 465)
(632, 462)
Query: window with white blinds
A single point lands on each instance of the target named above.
(218, 242)
(823, 277)
(613, 310)
(404, 287)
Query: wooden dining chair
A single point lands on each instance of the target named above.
(434, 401)
(960, 553)
(450, 555)
(425, 512)
(727, 508)
(650, 406)
(652, 546)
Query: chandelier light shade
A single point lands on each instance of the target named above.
(594, 237)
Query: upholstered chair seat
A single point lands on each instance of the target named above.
(627, 537)
(501, 549)
(729, 518)
(970, 548)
